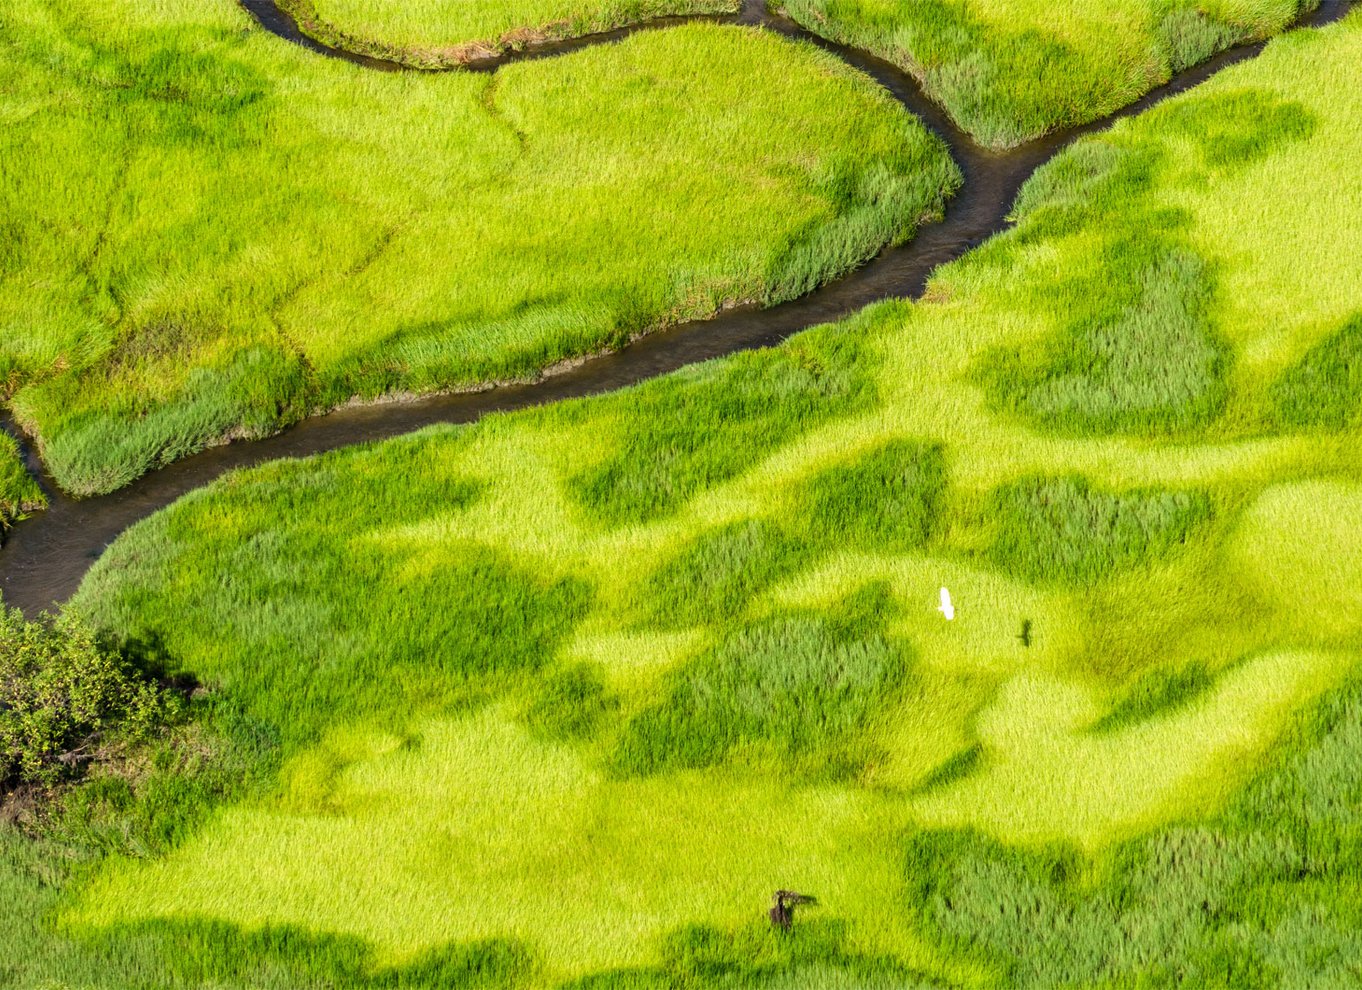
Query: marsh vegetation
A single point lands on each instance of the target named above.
(655, 654)
(1010, 70)
(558, 698)
(214, 234)
(446, 33)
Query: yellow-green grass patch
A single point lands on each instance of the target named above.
(216, 233)
(432, 33)
(1011, 70)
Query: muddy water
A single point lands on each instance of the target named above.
(46, 556)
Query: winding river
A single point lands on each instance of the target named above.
(47, 555)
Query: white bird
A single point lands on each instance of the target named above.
(946, 608)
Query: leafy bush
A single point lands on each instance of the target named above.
(60, 692)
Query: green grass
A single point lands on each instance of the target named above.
(1321, 388)
(19, 492)
(1061, 530)
(438, 33)
(1008, 71)
(569, 692)
(212, 233)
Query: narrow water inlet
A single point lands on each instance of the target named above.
(47, 555)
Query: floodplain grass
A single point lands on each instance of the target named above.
(214, 233)
(440, 33)
(1129, 760)
(1008, 71)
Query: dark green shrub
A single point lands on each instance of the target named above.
(60, 694)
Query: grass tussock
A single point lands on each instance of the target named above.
(19, 491)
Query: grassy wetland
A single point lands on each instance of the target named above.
(1011, 70)
(440, 33)
(212, 234)
(558, 699)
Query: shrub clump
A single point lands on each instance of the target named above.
(61, 693)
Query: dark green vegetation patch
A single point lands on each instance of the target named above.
(719, 572)
(1233, 129)
(1324, 388)
(688, 432)
(1139, 353)
(349, 635)
(802, 684)
(816, 954)
(1159, 692)
(1137, 349)
(886, 501)
(19, 492)
(1064, 531)
(570, 704)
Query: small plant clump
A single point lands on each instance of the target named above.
(64, 697)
